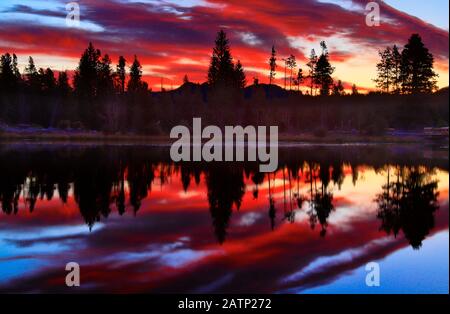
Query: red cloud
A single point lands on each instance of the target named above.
(161, 36)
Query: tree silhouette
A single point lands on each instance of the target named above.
(92, 190)
(396, 59)
(9, 72)
(323, 71)
(240, 76)
(121, 73)
(257, 178)
(32, 76)
(221, 71)
(408, 204)
(323, 205)
(135, 82)
(85, 82)
(321, 199)
(63, 84)
(417, 74)
(140, 177)
(105, 77)
(291, 63)
(272, 65)
(44, 110)
(48, 81)
(9, 195)
(338, 88)
(384, 70)
(312, 69)
(106, 95)
(225, 188)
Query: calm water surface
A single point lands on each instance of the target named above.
(136, 222)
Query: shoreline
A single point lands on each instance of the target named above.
(129, 139)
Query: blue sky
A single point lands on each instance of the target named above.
(431, 11)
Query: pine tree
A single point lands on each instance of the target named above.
(384, 78)
(9, 73)
(240, 76)
(221, 71)
(105, 77)
(63, 85)
(291, 64)
(30, 69)
(272, 65)
(48, 81)
(63, 112)
(31, 75)
(312, 66)
(121, 73)
(135, 83)
(417, 72)
(86, 75)
(86, 86)
(15, 68)
(324, 47)
(396, 58)
(323, 71)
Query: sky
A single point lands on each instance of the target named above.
(173, 38)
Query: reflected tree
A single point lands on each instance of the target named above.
(226, 188)
(321, 199)
(408, 203)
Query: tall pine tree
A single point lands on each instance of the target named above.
(417, 72)
(134, 82)
(121, 74)
(323, 71)
(221, 72)
(85, 82)
(312, 70)
(272, 65)
(384, 78)
(239, 76)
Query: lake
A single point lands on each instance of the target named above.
(137, 223)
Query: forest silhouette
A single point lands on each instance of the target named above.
(115, 98)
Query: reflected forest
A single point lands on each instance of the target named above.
(108, 179)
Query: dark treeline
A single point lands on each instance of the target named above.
(98, 176)
(114, 98)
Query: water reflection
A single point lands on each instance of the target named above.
(307, 188)
(408, 203)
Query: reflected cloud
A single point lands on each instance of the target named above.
(137, 222)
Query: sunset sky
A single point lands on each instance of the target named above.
(173, 38)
